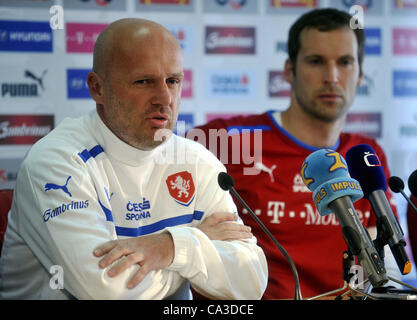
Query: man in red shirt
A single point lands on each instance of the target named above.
(324, 70)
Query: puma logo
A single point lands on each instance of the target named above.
(53, 186)
(260, 166)
(31, 75)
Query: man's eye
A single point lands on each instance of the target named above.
(346, 62)
(142, 81)
(173, 81)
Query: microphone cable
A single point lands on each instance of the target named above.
(226, 182)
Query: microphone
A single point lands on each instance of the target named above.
(396, 184)
(364, 166)
(325, 173)
(226, 182)
(412, 183)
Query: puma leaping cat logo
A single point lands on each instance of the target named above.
(31, 75)
(260, 166)
(64, 188)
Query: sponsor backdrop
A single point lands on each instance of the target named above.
(234, 56)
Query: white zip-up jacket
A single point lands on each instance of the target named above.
(81, 186)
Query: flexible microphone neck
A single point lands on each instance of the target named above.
(396, 185)
(412, 183)
(226, 183)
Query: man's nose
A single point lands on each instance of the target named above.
(162, 95)
(331, 74)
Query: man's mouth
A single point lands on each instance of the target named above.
(330, 97)
(158, 120)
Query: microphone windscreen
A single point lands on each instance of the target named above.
(321, 166)
(225, 181)
(412, 183)
(396, 184)
(326, 174)
(365, 166)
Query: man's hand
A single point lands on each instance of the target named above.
(156, 251)
(152, 252)
(223, 226)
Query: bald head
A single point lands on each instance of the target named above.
(136, 81)
(123, 34)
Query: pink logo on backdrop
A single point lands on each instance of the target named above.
(230, 40)
(405, 41)
(369, 124)
(277, 86)
(24, 129)
(81, 37)
(187, 84)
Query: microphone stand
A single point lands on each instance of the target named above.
(297, 290)
(387, 292)
(348, 262)
(380, 240)
(409, 201)
(226, 183)
(378, 294)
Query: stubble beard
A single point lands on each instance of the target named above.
(136, 134)
(321, 111)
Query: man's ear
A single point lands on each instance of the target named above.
(288, 71)
(95, 86)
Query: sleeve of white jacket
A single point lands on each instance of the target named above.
(59, 236)
(218, 269)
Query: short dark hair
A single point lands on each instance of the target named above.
(327, 19)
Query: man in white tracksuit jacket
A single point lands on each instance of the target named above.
(105, 209)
